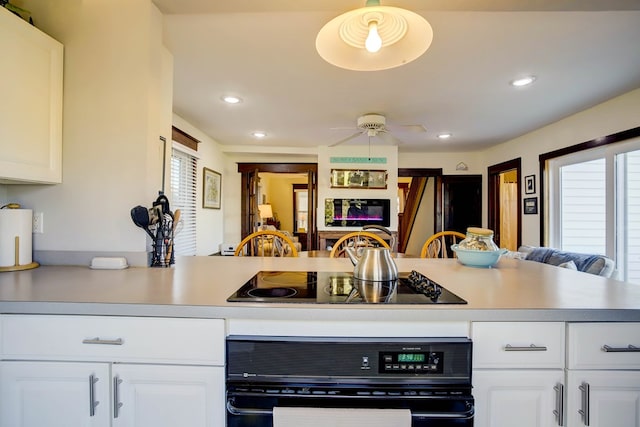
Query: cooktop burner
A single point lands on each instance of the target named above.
(341, 288)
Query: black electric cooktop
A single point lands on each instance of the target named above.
(341, 288)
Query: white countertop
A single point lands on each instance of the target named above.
(514, 290)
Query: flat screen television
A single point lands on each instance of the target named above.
(356, 212)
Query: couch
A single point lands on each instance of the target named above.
(599, 265)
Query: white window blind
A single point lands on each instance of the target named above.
(183, 189)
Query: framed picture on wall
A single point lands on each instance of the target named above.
(355, 178)
(530, 184)
(531, 206)
(211, 189)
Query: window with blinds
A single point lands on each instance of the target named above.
(183, 189)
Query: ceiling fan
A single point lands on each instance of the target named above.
(373, 125)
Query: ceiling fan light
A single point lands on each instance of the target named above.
(404, 36)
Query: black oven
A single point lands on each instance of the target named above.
(431, 378)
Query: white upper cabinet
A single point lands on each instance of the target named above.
(30, 103)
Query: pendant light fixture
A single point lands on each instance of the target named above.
(374, 38)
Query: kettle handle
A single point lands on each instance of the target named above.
(392, 240)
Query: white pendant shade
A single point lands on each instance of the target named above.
(404, 36)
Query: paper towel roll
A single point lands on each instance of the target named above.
(15, 222)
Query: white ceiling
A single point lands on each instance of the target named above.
(582, 52)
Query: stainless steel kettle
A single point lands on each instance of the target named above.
(374, 264)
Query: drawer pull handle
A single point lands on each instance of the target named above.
(97, 340)
(92, 395)
(532, 347)
(629, 349)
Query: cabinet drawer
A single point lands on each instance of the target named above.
(518, 345)
(604, 346)
(113, 339)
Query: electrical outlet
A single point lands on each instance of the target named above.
(38, 222)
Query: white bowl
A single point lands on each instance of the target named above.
(475, 258)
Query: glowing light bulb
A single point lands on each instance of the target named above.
(373, 42)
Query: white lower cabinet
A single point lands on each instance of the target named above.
(603, 398)
(519, 398)
(603, 376)
(77, 371)
(54, 394)
(518, 373)
(168, 396)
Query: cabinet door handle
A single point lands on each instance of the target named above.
(559, 411)
(92, 395)
(532, 347)
(98, 340)
(116, 397)
(584, 388)
(629, 349)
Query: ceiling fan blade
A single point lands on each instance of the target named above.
(413, 128)
(342, 141)
(388, 137)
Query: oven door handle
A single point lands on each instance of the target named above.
(234, 410)
(467, 415)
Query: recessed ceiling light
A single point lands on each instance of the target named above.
(524, 81)
(259, 134)
(444, 135)
(230, 99)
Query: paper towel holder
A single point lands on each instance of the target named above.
(17, 266)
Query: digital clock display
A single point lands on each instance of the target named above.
(411, 357)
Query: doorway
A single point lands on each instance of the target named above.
(416, 202)
(252, 196)
(436, 202)
(504, 203)
(460, 202)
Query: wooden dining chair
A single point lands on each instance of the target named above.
(357, 239)
(267, 243)
(438, 245)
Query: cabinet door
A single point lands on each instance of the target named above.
(508, 398)
(168, 396)
(31, 107)
(37, 394)
(603, 398)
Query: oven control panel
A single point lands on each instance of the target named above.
(414, 362)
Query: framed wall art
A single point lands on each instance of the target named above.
(211, 189)
(531, 206)
(357, 178)
(530, 184)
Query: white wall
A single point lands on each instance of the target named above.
(117, 103)
(210, 223)
(232, 180)
(618, 114)
(389, 153)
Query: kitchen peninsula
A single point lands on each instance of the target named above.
(539, 333)
(514, 290)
